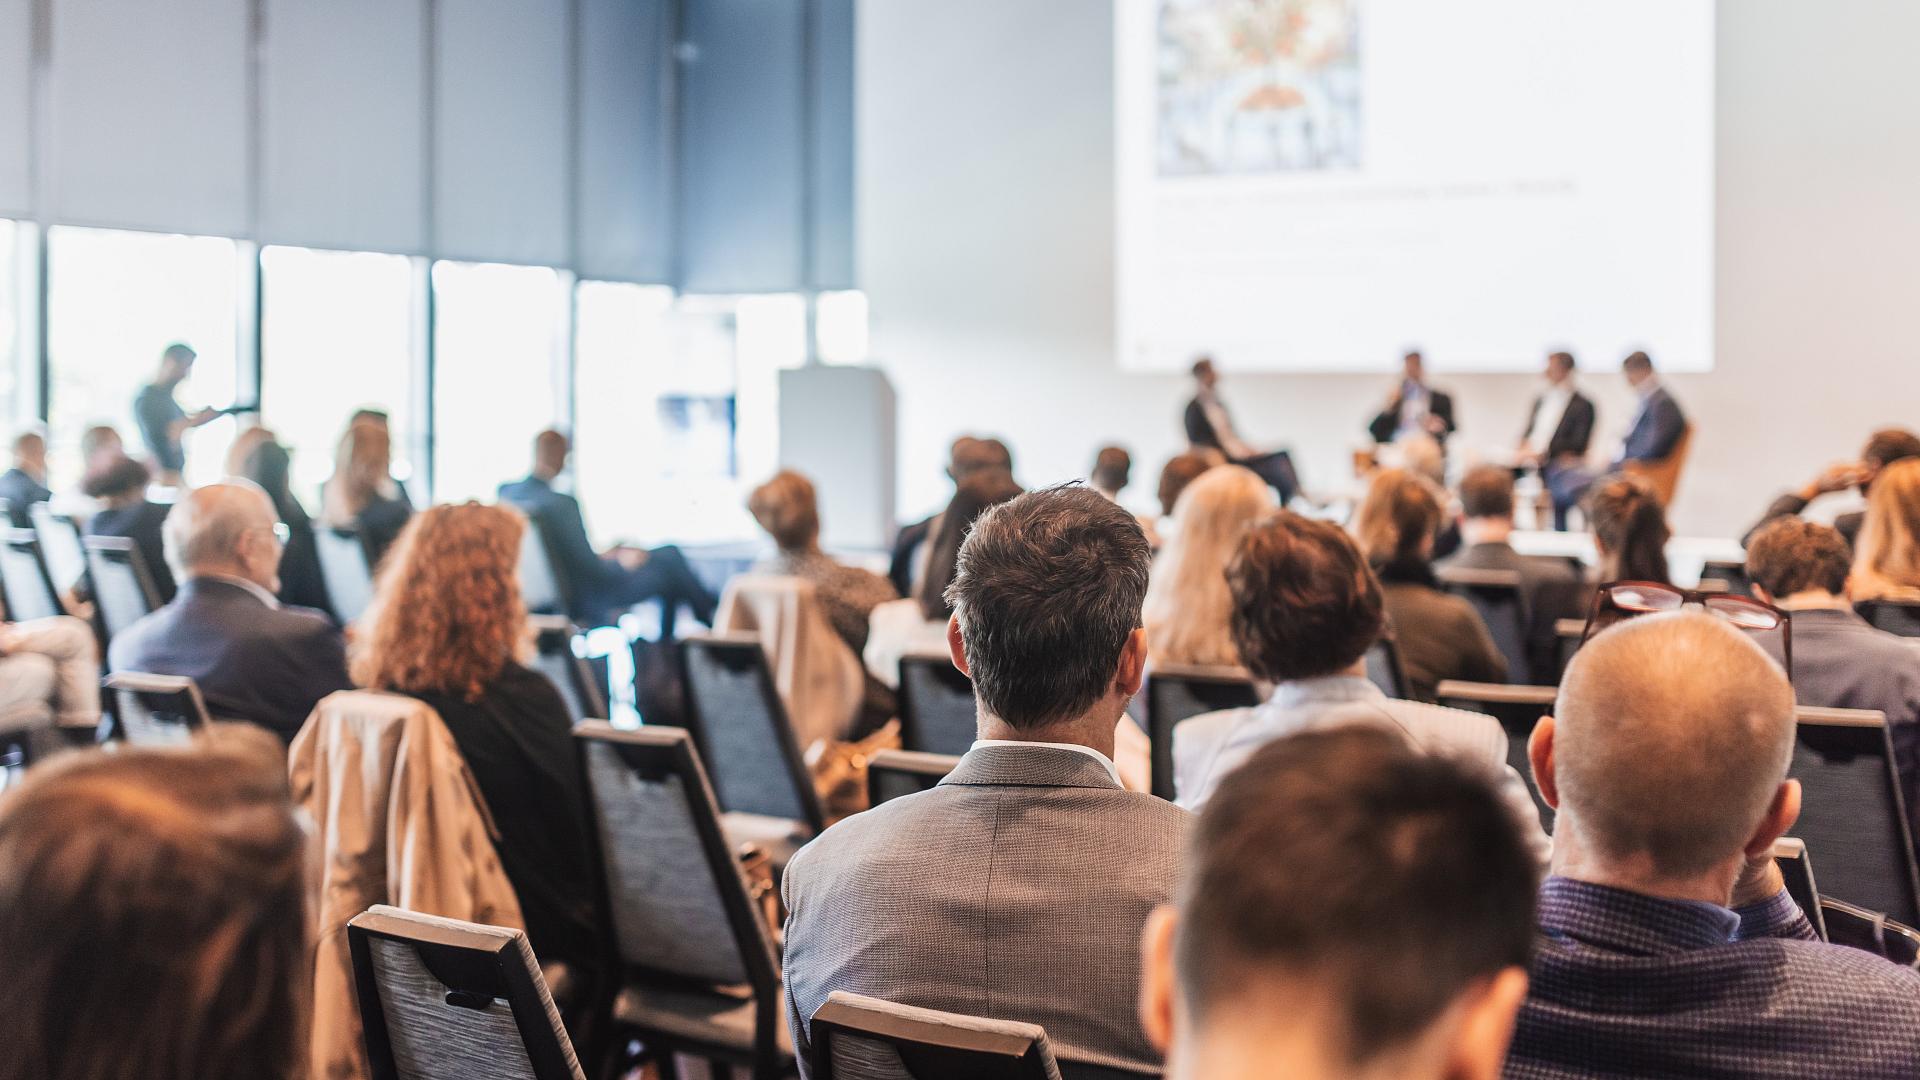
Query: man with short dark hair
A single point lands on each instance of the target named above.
(1112, 468)
(1668, 944)
(26, 483)
(1317, 870)
(163, 423)
(1414, 408)
(1306, 608)
(1559, 431)
(968, 456)
(1550, 588)
(1657, 424)
(1885, 447)
(1017, 887)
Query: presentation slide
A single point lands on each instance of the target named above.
(1321, 185)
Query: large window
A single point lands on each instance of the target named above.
(115, 301)
(337, 334)
(500, 349)
(15, 303)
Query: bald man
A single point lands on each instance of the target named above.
(1669, 945)
(253, 658)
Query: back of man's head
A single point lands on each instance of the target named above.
(1047, 591)
(1889, 445)
(1487, 492)
(1318, 869)
(30, 447)
(1305, 603)
(1112, 468)
(550, 449)
(970, 455)
(1637, 363)
(1671, 738)
(204, 530)
(1792, 555)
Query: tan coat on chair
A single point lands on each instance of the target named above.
(816, 674)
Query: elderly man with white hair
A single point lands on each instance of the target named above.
(1668, 943)
(253, 658)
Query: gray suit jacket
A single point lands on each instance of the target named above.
(1841, 662)
(1014, 890)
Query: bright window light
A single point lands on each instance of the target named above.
(840, 327)
(14, 304)
(500, 349)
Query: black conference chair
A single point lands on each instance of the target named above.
(23, 576)
(1853, 813)
(442, 999)
(937, 710)
(1518, 709)
(1568, 635)
(740, 725)
(1732, 574)
(697, 967)
(1384, 668)
(345, 569)
(1796, 869)
(1857, 928)
(123, 590)
(1891, 616)
(60, 544)
(156, 710)
(1502, 603)
(554, 657)
(863, 1038)
(1177, 693)
(893, 773)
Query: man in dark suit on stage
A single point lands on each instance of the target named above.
(1415, 408)
(1658, 424)
(1209, 426)
(1559, 430)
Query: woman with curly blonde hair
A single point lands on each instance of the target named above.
(447, 625)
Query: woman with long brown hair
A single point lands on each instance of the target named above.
(447, 625)
(1887, 564)
(1630, 531)
(360, 494)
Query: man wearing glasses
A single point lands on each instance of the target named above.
(252, 657)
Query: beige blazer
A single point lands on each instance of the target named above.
(817, 675)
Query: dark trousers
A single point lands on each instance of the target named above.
(1566, 486)
(1277, 470)
(665, 577)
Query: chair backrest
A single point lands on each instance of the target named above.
(442, 999)
(677, 902)
(60, 543)
(540, 587)
(1518, 709)
(893, 773)
(1177, 692)
(157, 710)
(23, 575)
(1502, 603)
(1726, 572)
(1892, 616)
(938, 714)
(1796, 868)
(1857, 928)
(1384, 668)
(123, 590)
(554, 656)
(1568, 634)
(741, 727)
(1663, 476)
(863, 1038)
(345, 568)
(1852, 811)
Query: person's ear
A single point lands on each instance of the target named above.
(1782, 812)
(1157, 981)
(1540, 760)
(1133, 663)
(1760, 592)
(1486, 1027)
(956, 645)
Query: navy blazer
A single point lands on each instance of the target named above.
(1656, 429)
(251, 661)
(561, 526)
(22, 491)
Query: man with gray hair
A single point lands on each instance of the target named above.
(1668, 943)
(1017, 887)
(253, 658)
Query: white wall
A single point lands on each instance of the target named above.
(985, 203)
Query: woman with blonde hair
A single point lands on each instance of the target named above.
(1440, 635)
(1189, 612)
(447, 626)
(359, 496)
(1887, 564)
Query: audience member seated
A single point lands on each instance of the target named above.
(361, 494)
(26, 482)
(97, 442)
(119, 483)
(1839, 661)
(266, 462)
(153, 914)
(1558, 434)
(1630, 532)
(253, 658)
(1440, 636)
(1188, 610)
(1305, 609)
(1886, 560)
(378, 418)
(1018, 886)
(447, 626)
(599, 586)
(1883, 449)
(966, 457)
(49, 675)
(1551, 588)
(1318, 872)
(1669, 945)
(1112, 471)
(1179, 471)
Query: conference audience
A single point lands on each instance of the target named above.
(965, 458)
(1886, 561)
(1630, 531)
(1839, 661)
(119, 485)
(1188, 610)
(597, 586)
(1558, 434)
(1209, 427)
(1112, 470)
(98, 441)
(49, 678)
(1317, 872)
(1414, 408)
(1306, 608)
(360, 496)
(1440, 635)
(1883, 449)
(1179, 471)
(1551, 589)
(26, 482)
(153, 916)
(253, 658)
(447, 626)
(267, 463)
(1018, 886)
(1669, 945)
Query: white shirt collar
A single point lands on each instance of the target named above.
(259, 593)
(1105, 761)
